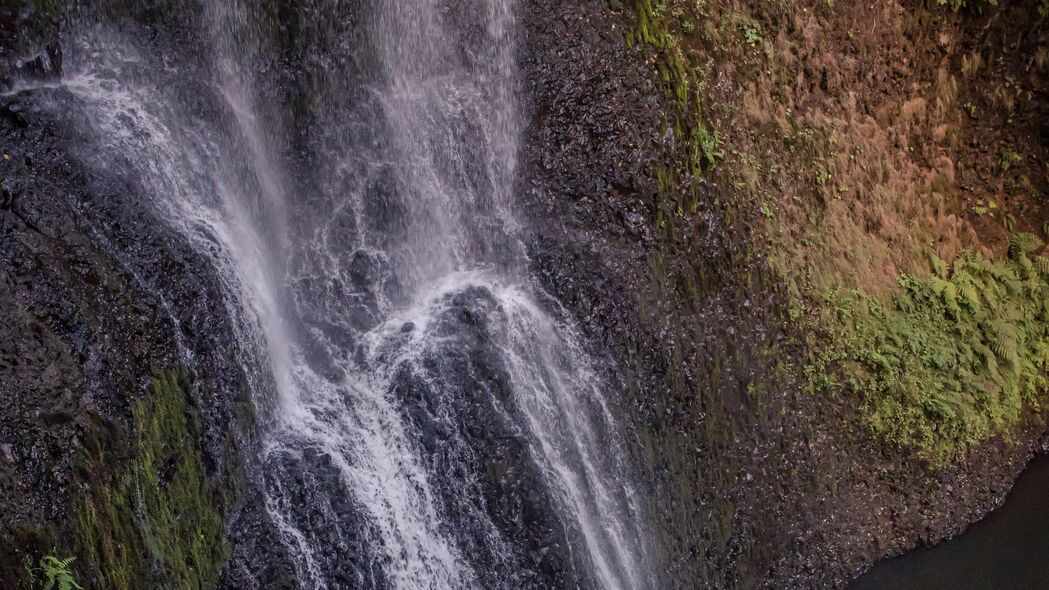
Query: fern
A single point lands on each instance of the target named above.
(1023, 243)
(950, 300)
(942, 387)
(1041, 264)
(1009, 222)
(937, 265)
(970, 297)
(56, 574)
(939, 286)
(1003, 339)
(1025, 268)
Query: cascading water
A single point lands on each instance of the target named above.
(437, 423)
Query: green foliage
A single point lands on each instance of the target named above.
(987, 208)
(51, 573)
(155, 520)
(1008, 159)
(952, 359)
(751, 32)
(706, 147)
(1022, 244)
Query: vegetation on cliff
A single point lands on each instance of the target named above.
(51, 573)
(901, 218)
(150, 516)
(953, 359)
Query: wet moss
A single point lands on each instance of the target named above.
(681, 82)
(156, 520)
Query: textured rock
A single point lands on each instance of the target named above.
(747, 481)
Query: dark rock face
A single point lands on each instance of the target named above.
(29, 48)
(458, 399)
(97, 296)
(322, 509)
(752, 483)
(674, 312)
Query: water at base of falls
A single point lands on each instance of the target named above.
(435, 420)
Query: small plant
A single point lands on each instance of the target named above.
(971, 109)
(1008, 159)
(982, 209)
(706, 148)
(51, 573)
(822, 177)
(1022, 244)
(752, 33)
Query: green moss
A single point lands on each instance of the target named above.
(157, 520)
(952, 359)
(681, 82)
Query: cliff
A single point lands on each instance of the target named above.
(767, 218)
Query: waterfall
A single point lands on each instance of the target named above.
(437, 421)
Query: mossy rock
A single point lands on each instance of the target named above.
(156, 519)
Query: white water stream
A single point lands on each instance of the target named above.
(449, 128)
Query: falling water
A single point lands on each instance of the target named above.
(382, 279)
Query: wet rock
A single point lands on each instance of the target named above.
(456, 398)
(96, 297)
(29, 46)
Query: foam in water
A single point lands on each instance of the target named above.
(450, 129)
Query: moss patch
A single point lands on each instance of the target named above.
(684, 83)
(157, 520)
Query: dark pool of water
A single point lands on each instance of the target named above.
(1008, 550)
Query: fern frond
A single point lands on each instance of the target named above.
(56, 573)
(1041, 264)
(1023, 243)
(950, 300)
(937, 265)
(1003, 338)
(970, 297)
(1024, 267)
